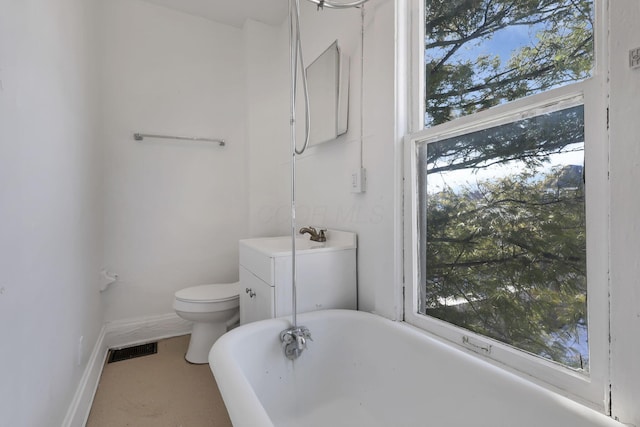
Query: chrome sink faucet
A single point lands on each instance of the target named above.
(316, 236)
(294, 341)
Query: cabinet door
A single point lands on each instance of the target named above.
(324, 280)
(256, 298)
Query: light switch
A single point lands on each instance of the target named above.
(358, 180)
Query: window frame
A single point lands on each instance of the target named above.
(590, 387)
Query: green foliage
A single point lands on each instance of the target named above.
(531, 142)
(461, 80)
(506, 258)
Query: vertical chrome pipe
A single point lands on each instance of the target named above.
(292, 128)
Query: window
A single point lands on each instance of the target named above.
(507, 210)
(504, 232)
(482, 53)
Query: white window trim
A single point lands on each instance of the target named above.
(592, 388)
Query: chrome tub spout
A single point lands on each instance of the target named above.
(294, 341)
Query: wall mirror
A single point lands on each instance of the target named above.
(328, 81)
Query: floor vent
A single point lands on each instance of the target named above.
(132, 352)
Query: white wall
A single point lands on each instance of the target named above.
(50, 207)
(267, 100)
(625, 211)
(174, 210)
(324, 196)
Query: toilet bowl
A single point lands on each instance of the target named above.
(213, 309)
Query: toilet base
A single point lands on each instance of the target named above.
(203, 336)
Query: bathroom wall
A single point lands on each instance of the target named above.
(324, 173)
(50, 207)
(174, 210)
(625, 211)
(324, 195)
(267, 99)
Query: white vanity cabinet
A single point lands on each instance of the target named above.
(326, 275)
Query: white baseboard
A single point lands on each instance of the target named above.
(118, 334)
(78, 411)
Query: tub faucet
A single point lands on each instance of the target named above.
(294, 341)
(316, 236)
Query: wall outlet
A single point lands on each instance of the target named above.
(358, 180)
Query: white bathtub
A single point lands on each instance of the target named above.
(364, 370)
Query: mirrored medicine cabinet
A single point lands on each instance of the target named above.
(328, 82)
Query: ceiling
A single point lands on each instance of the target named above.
(231, 12)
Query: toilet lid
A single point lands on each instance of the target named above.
(209, 293)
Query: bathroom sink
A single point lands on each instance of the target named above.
(281, 246)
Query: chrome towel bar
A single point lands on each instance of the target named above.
(142, 136)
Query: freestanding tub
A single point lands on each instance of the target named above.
(364, 370)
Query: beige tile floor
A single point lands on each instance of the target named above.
(160, 390)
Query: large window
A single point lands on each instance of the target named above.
(507, 185)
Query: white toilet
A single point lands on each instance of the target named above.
(213, 309)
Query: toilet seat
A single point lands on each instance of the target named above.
(209, 293)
